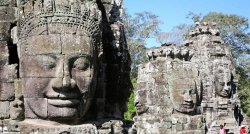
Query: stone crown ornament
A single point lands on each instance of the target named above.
(42, 16)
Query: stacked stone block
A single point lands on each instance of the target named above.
(8, 70)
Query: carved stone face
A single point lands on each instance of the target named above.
(183, 94)
(140, 101)
(58, 73)
(223, 82)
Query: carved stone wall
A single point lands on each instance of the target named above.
(64, 66)
(190, 88)
(9, 94)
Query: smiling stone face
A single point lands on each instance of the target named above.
(184, 86)
(183, 94)
(223, 82)
(58, 73)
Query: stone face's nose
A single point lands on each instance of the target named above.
(226, 88)
(187, 95)
(63, 83)
(66, 81)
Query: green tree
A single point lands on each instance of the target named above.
(244, 92)
(131, 107)
(138, 29)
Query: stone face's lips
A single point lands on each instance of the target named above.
(188, 105)
(62, 94)
(63, 103)
(224, 93)
(137, 104)
(140, 108)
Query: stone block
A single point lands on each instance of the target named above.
(14, 36)
(11, 127)
(18, 88)
(160, 79)
(8, 14)
(35, 107)
(41, 44)
(39, 66)
(4, 2)
(16, 113)
(7, 91)
(41, 128)
(8, 73)
(72, 44)
(4, 109)
(34, 87)
(61, 29)
(56, 112)
(4, 52)
(4, 31)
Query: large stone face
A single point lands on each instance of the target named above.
(189, 88)
(58, 66)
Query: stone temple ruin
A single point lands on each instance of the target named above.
(65, 67)
(190, 88)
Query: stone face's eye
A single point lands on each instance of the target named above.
(183, 92)
(192, 91)
(222, 83)
(46, 61)
(81, 63)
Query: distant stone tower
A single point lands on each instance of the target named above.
(190, 88)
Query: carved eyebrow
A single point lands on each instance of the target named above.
(49, 55)
(75, 56)
(46, 61)
(52, 56)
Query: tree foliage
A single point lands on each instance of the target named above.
(131, 108)
(176, 35)
(138, 29)
(244, 92)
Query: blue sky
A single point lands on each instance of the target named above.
(174, 12)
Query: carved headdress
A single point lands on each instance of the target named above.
(38, 17)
